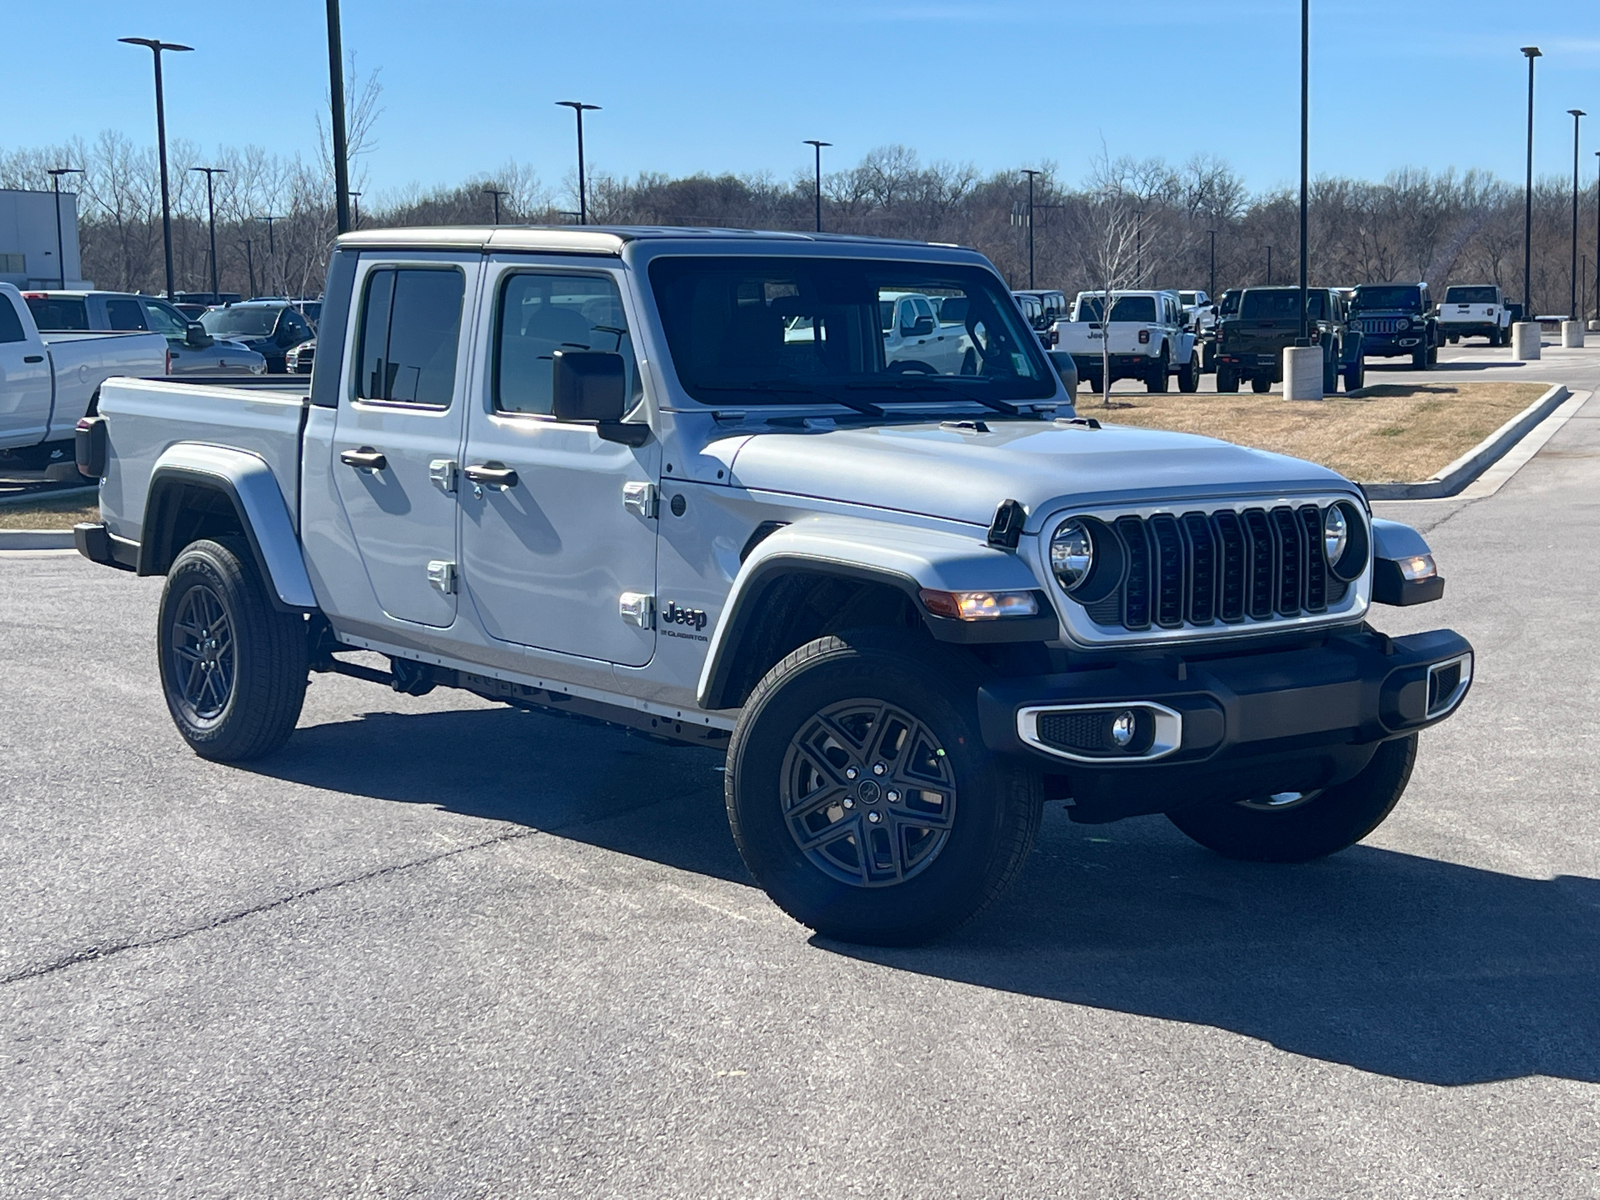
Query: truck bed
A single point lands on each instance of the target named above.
(263, 416)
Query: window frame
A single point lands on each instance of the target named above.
(357, 360)
(502, 285)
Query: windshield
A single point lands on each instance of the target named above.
(1470, 295)
(1188, 297)
(1127, 308)
(1281, 305)
(58, 314)
(796, 330)
(166, 320)
(1407, 298)
(240, 322)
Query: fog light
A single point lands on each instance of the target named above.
(1420, 566)
(1123, 729)
(980, 606)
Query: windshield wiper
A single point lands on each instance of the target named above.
(779, 386)
(945, 392)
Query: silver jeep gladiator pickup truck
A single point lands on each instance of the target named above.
(594, 471)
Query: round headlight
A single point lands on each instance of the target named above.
(1071, 553)
(1335, 534)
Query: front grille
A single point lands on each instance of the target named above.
(1227, 567)
(1382, 324)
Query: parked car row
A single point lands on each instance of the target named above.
(192, 348)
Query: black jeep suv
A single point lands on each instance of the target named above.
(1396, 319)
(1250, 344)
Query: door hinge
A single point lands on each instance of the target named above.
(442, 474)
(442, 575)
(640, 498)
(639, 608)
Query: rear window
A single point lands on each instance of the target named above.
(1127, 308)
(59, 314)
(10, 324)
(1470, 295)
(1282, 306)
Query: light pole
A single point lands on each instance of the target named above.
(1572, 306)
(156, 47)
(818, 193)
(1305, 125)
(250, 266)
(272, 249)
(341, 164)
(579, 107)
(1030, 174)
(1527, 201)
(1597, 236)
(496, 193)
(1138, 249)
(355, 209)
(1269, 266)
(55, 174)
(211, 209)
(1213, 292)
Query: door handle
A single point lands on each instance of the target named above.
(32, 358)
(364, 459)
(491, 474)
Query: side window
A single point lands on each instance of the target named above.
(166, 320)
(542, 313)
(125, 315)
(410, 331)
(10, 323)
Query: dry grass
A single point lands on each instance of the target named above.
(1381, 434)
(61, 513)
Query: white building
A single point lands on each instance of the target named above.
(28, 240)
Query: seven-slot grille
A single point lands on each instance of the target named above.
(1233, 567)
(1382, 324)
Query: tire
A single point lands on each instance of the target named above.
(837, 696)
(1355, 375)
(1433, 355)
(1330, 373)
(1419, 357)
(1261, 383)
(1454, 339)
(1208, 361)
(1227, 379)
(1093, 382)
(1156, 380)
(246, 702)
(1189, 375)
(969, 363)
(1323, 823)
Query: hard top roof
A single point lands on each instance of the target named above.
(592, 239)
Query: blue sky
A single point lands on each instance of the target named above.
(717, 86)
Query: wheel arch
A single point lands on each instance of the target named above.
(208, 491)
(816, 577)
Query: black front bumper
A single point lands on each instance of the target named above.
(1251, 724)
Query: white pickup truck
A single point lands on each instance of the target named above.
(1147, 338)
(588, 471)
(48, 381)
(1475, 310)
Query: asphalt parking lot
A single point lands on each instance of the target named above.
(437, 947)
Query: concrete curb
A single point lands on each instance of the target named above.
(52, 494)
(36, 539)
(1459, 474)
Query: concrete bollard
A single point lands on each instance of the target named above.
(1594, 326)
(1572, 335)
(1302, 372)
(1525, 341)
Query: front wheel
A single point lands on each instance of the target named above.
(861, 794)
(1355, 375)
(1301, 826)
(233, 668)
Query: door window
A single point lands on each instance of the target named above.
(10, 324)
(125, 315)
(166, 320)
(540, 314)
(410, 330)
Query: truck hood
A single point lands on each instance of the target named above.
(962, 475)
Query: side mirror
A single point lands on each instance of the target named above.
(195, 335)
(923, 327)
(591, 385)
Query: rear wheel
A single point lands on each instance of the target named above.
(1189, 375)
(1156, 381)
(1261, 383)
(1301, 826)
(1355, 375)
(1227, 379)
(861, 794)
(1330, 371)
(233, 668)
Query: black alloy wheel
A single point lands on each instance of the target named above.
(203, 664)
(862, 797)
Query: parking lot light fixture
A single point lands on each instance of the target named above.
(55, 174)
(818, 192)
(211, 210)
(272, 249)
(156, 47)
(1269, 266)
(355, 210)
(1572, 306)
(1305, 127)
(1597, 236)
(341, 155)
(1030, 174)
(1138, 248)
(1213, 292)
(1532, 53)
(579, 108)
(496, 193)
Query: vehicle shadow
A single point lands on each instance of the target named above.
(1387, 962)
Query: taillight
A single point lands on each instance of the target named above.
(1144, 337)
(1316, 336)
